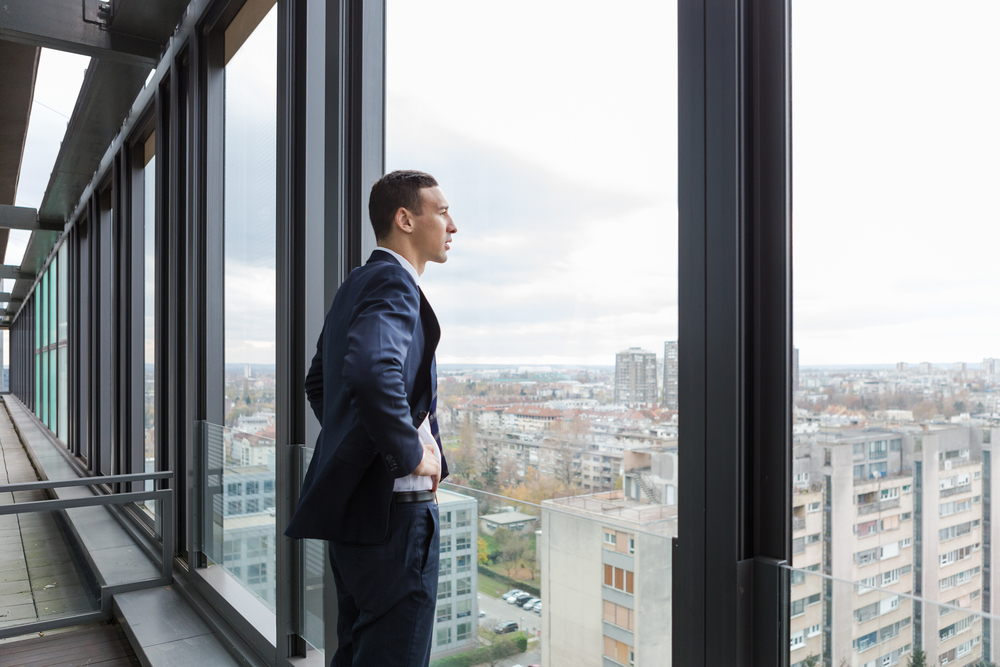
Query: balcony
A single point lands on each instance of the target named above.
(872, 508)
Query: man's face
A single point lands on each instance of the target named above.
(433, 227)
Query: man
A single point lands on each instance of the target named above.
(370, 486)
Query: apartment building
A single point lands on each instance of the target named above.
(949, 541)
(605, 557)
(670, 374)
(907, 511)
(635, 377)
(456, 623)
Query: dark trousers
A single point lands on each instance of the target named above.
(387, 593)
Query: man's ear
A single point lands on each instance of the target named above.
(403, 220)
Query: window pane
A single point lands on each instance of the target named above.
(554, 139)
(249, 267)
(149, 313)
(894, 164)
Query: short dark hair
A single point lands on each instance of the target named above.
(395, 190)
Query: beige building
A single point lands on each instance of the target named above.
(606, 581)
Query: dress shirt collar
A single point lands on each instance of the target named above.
(403, 262)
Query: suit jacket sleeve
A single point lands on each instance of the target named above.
(381, 329)
(314, 381)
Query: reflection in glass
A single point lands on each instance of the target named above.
(62, 334)
(239, 499)
(249, 295)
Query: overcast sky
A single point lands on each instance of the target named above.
(554, 139)
(552, 128)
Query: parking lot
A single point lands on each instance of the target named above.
(497, 610)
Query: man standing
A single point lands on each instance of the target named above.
(370, 486)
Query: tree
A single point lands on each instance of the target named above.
(510, 548)
(811, 661)
(917, 659)
(482, 551)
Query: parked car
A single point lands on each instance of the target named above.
(505, 627)
(511, 593)
(538, 608)
(482, 614)
(519, 598)
(533, 606)
(530, 601)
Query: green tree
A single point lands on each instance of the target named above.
(810, 661)
(483, 553)
(917, 659)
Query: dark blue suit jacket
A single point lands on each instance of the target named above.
(371, 384)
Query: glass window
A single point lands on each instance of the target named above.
(249, 254)
(149, 310)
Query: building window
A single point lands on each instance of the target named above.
(253, 505)
(252, 488)
(463, 608)
(444, 636)
(609, 538)
(444, 567)
(445, 520)
(445, 544)
(464, 631)
(463, 586)
(618, 651)
(234, 489)
(463, 542)
(463, 564)
(798, 640)
(444, 613)
(618, 578)
(444, 590)
(235, 507)
(463, 518)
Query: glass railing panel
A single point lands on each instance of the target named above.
(314, 556)
(239, 507)
(584, 565)
(839, 622)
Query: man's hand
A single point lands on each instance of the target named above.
(430, 465)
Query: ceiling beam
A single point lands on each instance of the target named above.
(22, 217)
(73, 26)
(8, 272)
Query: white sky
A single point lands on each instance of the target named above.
(895, 181)
(57, 85)
(554, 139)
(558, 155)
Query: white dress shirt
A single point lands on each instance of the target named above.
(415, 482)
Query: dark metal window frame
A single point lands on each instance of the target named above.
(735, 300)
(734, 333)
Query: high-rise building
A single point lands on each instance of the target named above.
(635, 377)
(670, 374)
(900, 513)
(795, 368)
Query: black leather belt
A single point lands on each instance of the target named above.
(413, 496)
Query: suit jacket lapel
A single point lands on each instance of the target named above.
(432, 334)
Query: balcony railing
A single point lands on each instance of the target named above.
(965, 488)
(872, 508)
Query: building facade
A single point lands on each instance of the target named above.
(635, 377)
